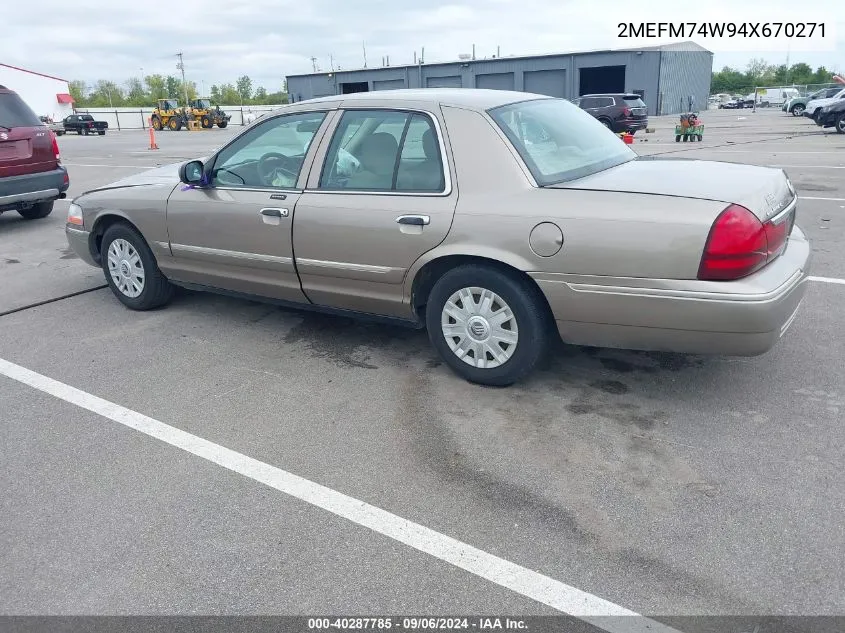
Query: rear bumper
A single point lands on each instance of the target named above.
(29, 189)
(744, 318)
(628, 125)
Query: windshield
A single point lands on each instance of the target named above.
(15, 113)
(559, 141)
(203, 103)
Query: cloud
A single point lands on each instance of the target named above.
(268, 39)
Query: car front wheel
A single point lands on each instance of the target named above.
(490, 327)
(131, 270)
(840, 124)
(797, 110)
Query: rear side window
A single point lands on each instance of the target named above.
(15, 113)
(86, 117)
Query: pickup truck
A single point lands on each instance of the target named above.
(84, 124)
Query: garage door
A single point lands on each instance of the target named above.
(389, 84)
(495, 81)
(545, 82)
(444, 82)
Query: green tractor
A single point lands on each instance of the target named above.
(207, 114)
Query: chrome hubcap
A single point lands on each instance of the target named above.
(479, 327)
(841, 125)
(799, 110)
(126, 268)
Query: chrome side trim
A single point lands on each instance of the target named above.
(782, 215)
(795, 279)
(78, 232)
(202, 250)
(364, 268)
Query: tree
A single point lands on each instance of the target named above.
(77, 91)
(215, 94)
(135, 93)
(156, 87)
(174, 87)
(244, 88)
(260, 96)
(229, 95)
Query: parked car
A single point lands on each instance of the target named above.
(618, 112)
(31, 173)
(735, 103)
(57, 128)
(561, 231)
(815, 106)
(832, 115)
(84, 124)
(797, 105)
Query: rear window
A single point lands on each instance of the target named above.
(15, 113)
(559, 141)
(634, 101)
(87, 117)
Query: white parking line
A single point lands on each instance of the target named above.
(828, 280)
(499, 571)
(809, 166)
(815, 198)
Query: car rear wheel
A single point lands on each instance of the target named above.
(222, 124)
(101, 132)
(157, 123)
(37, 211)
(131, 270)
(605, 123)
(797, 110)
(175, 124)
(490, 327)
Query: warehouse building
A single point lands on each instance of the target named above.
(46, 95)
(672, 78)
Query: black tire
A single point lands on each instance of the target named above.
(222, 124)
(797, 109)
(85, 132)
(529, 312)
(79, 131)
(157, 126)
(37, 211)
(205, 121)
(699, 137)
(157, 290)
(677, 138)
(101, 132)
(175, 124)
(839, 125)
(606, 123)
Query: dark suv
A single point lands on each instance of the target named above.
(619, 112)
(31, 173)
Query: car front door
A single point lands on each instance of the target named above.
(234, 232)
(381, 194)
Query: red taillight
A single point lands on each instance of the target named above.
(737, 246)
(55, 141)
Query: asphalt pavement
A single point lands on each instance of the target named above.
(665, 484)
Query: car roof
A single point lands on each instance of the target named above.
(472, 98)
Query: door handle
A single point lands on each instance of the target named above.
(416, 220)
(274, 212)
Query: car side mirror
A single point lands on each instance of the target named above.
(192, 172)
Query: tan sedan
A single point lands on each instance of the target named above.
(495, 219)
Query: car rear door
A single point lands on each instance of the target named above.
(26, 145)
(235, 232)
(379, 196)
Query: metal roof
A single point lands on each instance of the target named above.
(688, 46)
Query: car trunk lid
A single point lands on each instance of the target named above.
(636, 106)
(765, 191)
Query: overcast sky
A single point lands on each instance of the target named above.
(267, 39)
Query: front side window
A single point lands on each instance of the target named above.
(384, 150)
(269, 155)
(558, 141)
